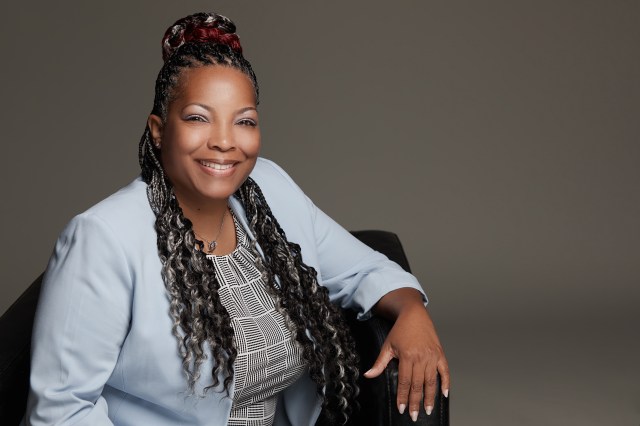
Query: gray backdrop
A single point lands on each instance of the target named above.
(499, 139)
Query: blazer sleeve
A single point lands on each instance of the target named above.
(356, 275)
(81, 322)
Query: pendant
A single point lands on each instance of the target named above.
(212, 246)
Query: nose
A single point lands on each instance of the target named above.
(221, 138)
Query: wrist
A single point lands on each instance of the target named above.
(399, 301)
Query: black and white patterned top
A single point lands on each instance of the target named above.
(268, 359)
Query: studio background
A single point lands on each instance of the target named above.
(498, 139)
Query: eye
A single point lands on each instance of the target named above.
(247, 122)
(196, 118)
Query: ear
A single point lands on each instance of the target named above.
(155, 127)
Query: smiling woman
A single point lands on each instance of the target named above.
(208, 145)
(152, 300)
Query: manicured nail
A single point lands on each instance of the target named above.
(401, 408)
(446, 393)
(414, 416)
(429, 409)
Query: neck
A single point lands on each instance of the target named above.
(205, 216)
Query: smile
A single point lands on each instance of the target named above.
(217, 166)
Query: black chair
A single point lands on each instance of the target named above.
(377, 396)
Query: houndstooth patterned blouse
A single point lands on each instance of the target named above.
(268, 358)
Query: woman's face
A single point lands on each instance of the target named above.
(210, 140)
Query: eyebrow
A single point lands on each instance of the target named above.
(208, 108)
(249, 108)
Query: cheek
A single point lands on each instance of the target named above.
(179, 145)
(251, 146)
(255, 148)
(171, 164)
(174, 157)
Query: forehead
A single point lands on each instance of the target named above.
(214, 82)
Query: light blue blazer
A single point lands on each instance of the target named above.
(103, 352)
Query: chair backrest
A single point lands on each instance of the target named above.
(377, 396)
(15, 335)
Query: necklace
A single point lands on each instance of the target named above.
(213, 243)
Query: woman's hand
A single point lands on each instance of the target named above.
(414, 342)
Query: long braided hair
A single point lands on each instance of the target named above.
(199, 319)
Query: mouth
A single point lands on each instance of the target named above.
(217, 166)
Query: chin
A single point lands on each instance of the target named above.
(221, 192)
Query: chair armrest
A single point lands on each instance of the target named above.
(377, 397)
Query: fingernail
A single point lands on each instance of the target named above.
(429, 410)
(446, 393)
(367, 372)
(414, 416)
(401, 408)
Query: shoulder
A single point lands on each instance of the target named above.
(130, 200)
(123, 215)
(274, 181)
(277, 186)
(268, 172)
(289, 204)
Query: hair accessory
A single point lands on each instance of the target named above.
(213, 243)
(200, 28)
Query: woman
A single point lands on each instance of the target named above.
(205, 291)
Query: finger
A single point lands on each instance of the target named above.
(381, 363)
(445, 379)
(430, 382)
(415, 392)
(404, 385)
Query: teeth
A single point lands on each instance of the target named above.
(216, 166)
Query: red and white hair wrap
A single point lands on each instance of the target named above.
(200, 28)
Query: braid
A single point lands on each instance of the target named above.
(329, 350)
(192, 285)
(152, 173)
(201, 325)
